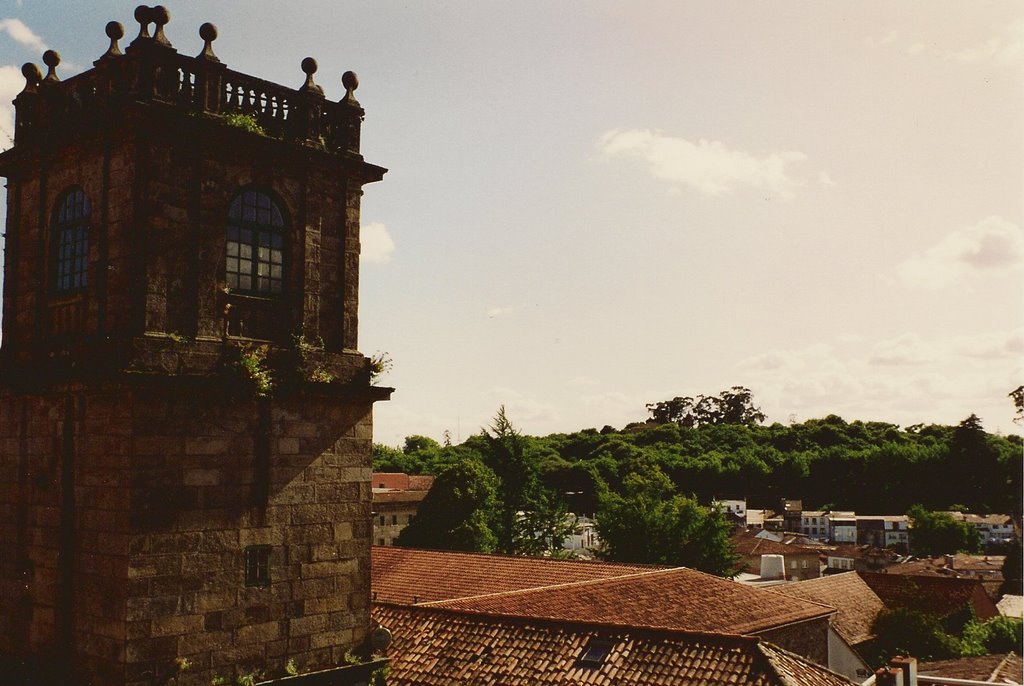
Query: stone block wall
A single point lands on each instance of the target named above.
(169, 488)
(808, 639)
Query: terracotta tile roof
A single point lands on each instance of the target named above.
(396, 480)
(986, 520)
(1001, 669)
(748, 545)
(677, 598)
(856, 603)
(420, 482)
(937, 595)
(433, 646)
(398, 496)
(978, 563)
(408, 575)
(856, 551)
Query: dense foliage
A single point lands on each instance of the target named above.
(487, 496)
(870, 467)
(937, 533)
(650, 523)
(900, 631)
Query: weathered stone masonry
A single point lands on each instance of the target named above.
(137, 463)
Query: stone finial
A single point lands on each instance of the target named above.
(208, 32)
(32, 77)
(51, 58)
(161, 16)
(143, 15)
(351, 82)
(115, 32)
(309, 67)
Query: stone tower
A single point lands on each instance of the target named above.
(185, 420)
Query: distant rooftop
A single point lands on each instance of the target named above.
(856, 603)
(408, 575)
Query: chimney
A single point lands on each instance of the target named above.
(888, 676)
(773, 567)
(908, 665)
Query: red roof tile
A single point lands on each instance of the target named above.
(856, 603)
(398, 496)
(1003, 669)
(438, 647)
(420, 482)
(936, 595)
(408, 575)
(748, 545)
(677, 598)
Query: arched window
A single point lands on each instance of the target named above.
(255, 244)
(71, 241)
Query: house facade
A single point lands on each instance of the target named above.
(396, 501)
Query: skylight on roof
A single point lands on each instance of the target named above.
(595, 653)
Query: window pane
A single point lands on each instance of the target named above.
(254, 259)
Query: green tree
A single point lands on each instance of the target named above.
(908, 632)
(939, 533)
(453, 515)
(527, 519)
(649, 523)
(734, 406)
(1017, 396)
(998, 635)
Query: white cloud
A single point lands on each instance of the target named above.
(376, 244)
(992, 245)
(907, 349)
(1005, 49)
(523, 410)
(887, 39)
(20, 33)
(501, 311)
(992, 346)
(707, 166)
(825, 179)
(903, 379)
(11, 83)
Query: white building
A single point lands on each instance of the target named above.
(584, 536)
(994, 528)
(843, 527)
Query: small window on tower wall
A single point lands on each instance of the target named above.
(70, 241)
(257, 565)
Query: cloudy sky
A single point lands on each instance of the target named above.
(597, 205)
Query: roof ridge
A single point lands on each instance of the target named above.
(508, 556)
(565, 584)
(995, 672)
(665, 631)
(774, 646)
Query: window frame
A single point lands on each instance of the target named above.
(245, 227)
(256, 565)
(73, 268)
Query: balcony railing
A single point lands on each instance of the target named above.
(150, 70)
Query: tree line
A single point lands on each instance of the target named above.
(869, 467)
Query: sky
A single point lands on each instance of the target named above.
(593, 206)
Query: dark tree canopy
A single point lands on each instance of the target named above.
(734, 406)
(453, 514)
(650, 523)
(939, 533)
